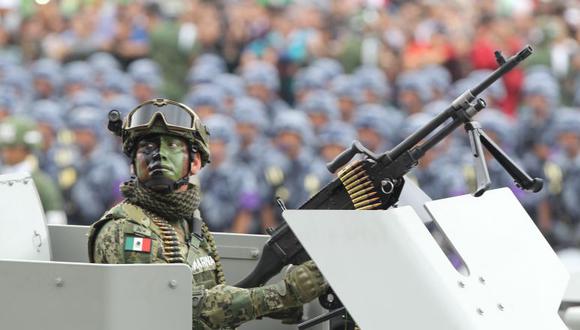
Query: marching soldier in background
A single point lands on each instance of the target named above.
(159, 221)
(230, 194)
(18, 140)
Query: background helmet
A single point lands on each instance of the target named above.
(19, 131)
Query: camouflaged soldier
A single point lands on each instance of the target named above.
(158, 222)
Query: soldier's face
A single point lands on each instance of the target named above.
(161, 156)
(12, 155)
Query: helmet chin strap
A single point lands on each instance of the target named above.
(165, 185)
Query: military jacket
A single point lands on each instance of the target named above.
(114, 240)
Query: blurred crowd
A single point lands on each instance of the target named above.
(284, 86)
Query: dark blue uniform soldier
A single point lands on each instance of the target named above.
(567, 200)
(289, 173)
(251, 125)
(98, 171)
(321, 107)
(377, 127)
(230, 200)
(207, 99)
(262, 82)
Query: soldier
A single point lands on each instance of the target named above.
(345, 89)
(373, 84)
(46, 79)
(97, 172)
(48, 116)
(251, 123)
(321, 107)
(263, 82)
(289, 172)
(19, 138)
(6, 104)
(567, 207)
(377, 127)
(207, 100)
(158, 222)
(231, 199)
(233, 87)
(413, 92)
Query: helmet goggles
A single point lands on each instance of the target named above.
(174, 114)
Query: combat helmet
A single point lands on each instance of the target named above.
(20, 131)
(161, 116)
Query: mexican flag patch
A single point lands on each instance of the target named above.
(139, 244)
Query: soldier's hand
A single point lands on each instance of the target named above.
(305, 281)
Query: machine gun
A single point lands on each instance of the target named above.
(376, 181)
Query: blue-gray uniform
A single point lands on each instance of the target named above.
(289, 173)
(373, 84)
(206, 99)
(98, 171)
(103, 62)
(438, 78)
(85, 98)
(437, 174)
(262, 82)
(330, 67)
(377, 127)
(321, 107)
(19, 82)
(251, 124)
(210, 59)
(124, 103)
(345, 88)
(77, 76)
(541, 98)
(115, 83)
(307, 80)
(47, 80)
(200, 74)
(233, 87)
(7, 105)
(49, 118)
(147, 79)
(413, 91)
(567, 200)
(334, 138)
(230, 197)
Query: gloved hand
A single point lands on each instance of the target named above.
(305, 282)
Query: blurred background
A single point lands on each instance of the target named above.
(284, 86)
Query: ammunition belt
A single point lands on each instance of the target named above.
(359, 187)
(171, 250)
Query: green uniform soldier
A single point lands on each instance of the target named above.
(158, 222)
(19, 138)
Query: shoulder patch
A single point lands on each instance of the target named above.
(137, 244)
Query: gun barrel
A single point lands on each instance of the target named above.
(503, 69)
(462, 101)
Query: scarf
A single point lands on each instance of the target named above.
(171, 206)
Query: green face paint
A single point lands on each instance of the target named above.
(161, 156)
